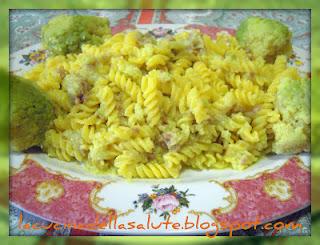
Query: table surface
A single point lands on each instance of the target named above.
(25, 28)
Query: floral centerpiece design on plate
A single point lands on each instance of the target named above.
(161, 32)
(34, 57)
(165, 200)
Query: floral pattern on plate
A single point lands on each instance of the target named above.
(34, 57)
(166, 200)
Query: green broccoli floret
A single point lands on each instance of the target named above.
(65, 34)
(292, 133)
(264, 38)
(289, 139)
(30, 114)
(293, 100)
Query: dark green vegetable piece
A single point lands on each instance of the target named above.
(31, 113)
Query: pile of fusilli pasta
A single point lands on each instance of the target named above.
(147, 107)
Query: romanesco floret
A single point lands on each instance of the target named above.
(292, 133)
(264, 38)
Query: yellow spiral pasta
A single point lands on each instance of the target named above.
(157, 170)
(147, 108)
(204, 161)
(157, 60)
(152, 99)
(126, 85)
(107, 105)
(196, 106)
(64, 145)
(138, 144)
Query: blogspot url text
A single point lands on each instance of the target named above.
(211, 229)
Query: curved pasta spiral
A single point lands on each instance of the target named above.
(247, 97)
(58, 145)
(152, 98)
(157, 170)
(156, 60)
(138, 144)
(196, 105)
(126, 85)
(108, 105)
(129, 165)
(192, 150)
(204, 161)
